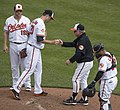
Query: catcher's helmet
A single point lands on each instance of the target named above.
(89, 92)
(98, 47)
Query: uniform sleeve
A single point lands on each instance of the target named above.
(68, 44)
(40, 33)
(6, 26)
(103, 64)
(40, 30)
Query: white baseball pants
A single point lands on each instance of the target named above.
(16, 61)
(106, 88)
(33, 64)
(80, 76)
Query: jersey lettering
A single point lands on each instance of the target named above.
(24, 32)
(15, 27)
(101, 65)
(32, 29)
(32, 26)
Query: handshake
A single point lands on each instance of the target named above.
(58, 42)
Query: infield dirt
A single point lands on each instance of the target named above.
(53, 101)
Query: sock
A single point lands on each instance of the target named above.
(85, 98)
(74, 95)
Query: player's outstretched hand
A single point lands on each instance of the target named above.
(61, 42)
(58, 42)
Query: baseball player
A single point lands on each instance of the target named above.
(107, 72)
(84, 58)
(16, 28)
(34, 60)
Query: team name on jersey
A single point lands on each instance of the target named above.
(15, 27)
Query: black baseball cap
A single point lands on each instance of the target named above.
(78, 26)
(50, 13)
(98, 47)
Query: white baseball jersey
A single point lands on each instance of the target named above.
(104, 64)
(17, 34)
(33, 59)
(37, 28)
(17, 30)
(108, 80)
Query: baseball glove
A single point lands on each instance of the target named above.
(90, 92)
(23, 53)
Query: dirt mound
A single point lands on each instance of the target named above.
(53, 101)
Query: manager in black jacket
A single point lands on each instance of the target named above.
(84, 58)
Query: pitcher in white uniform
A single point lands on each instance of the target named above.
(16, 29)
(107, 72)
(34, 60)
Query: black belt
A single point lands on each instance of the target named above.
(19, 42)
(110, 78)
(33, 46)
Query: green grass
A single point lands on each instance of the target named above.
(101, 20)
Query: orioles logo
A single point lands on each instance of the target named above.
(42, 30)
(101, 65)
(81, 47)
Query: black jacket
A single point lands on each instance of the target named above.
(83, 51)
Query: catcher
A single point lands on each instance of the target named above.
(107, 72)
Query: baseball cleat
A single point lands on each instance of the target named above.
(70, 101)
(41, 94)
(11, 88)
(82, 101)
(15, 94)
(28, 89)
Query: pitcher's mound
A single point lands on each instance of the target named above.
(53, 101)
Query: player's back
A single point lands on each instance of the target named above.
(37, 28)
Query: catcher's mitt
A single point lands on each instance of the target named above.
(23, 53)
(90, 92)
